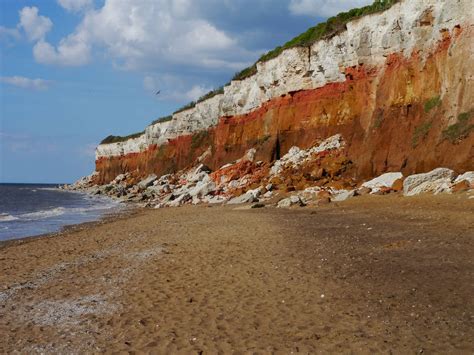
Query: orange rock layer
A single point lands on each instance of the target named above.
(411, 115)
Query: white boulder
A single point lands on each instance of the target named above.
(142, 185)
(467, 176)
(436, 181)
(245, 198)
(294, 200)
(385, 180)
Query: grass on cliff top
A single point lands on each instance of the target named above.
(204, 97)
(162, 119)
(323, 30)
(117, 139)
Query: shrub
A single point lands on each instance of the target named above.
(211, 94)
(162, 119)
(421, 132)
(461, 129)
(185, 107)
(116, 139)
(432, 103)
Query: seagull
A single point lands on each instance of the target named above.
(158, 92)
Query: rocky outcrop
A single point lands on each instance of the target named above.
(397, 86)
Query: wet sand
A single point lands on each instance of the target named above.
(373, 274)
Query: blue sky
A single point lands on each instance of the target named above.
(75, 71)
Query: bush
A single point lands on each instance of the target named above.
(461, 129)
(432, 103)
(421, 132)
(162, 119)
(117, 139)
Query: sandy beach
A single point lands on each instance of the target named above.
(381, 274)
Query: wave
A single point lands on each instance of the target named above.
(58, 211)
(5, 217)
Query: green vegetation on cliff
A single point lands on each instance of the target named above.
(461, 129)
(323, 30)
(117, 139)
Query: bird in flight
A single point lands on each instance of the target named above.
(158, 92)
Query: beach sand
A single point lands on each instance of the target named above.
(372, 274)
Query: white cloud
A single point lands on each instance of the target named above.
(75, 5)
(26, 83)
(71, 51)
(34, 25)
(7, 33)
(147, 34)
(324, 8)
(196, 92)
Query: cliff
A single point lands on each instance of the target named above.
(396, 85)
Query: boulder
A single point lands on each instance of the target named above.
(245, 198)
(180, 200)
(461, 186)
(250, 154)
(142, 185)
(294, 200)
(384, 180)
(342, 195)
(436, 181)
(202, 189)
(467, 176)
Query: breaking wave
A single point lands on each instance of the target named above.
(5, 217)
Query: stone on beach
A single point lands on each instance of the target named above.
(294, 200)
(385, 180)
(142, 185)
(436, 181)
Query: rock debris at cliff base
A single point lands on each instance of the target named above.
(319, 175)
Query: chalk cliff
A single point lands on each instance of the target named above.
(398, 85)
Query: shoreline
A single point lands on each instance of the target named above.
(128, 210)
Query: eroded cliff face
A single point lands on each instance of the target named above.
(398, 86)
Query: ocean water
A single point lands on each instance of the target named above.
(29, 210)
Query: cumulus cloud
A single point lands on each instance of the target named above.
(71, 51)
(75, 5)
(324, 8)
(26, 83)
(147, 34)
(34, 25)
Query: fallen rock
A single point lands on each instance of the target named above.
(202, 189)
(294, 200)
(461, 186)
(384, 180)
(245, 198)
(436, 181)
(467, 176)
(342, 195)
(180, 200)
(142, 185)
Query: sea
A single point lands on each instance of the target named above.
(33, 209)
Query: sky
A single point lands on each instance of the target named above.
(75, 71)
